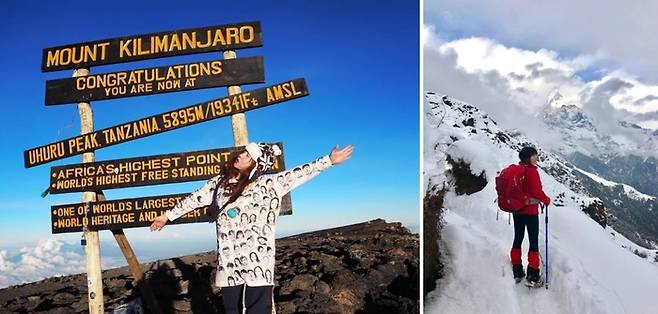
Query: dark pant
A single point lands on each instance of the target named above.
(522, 222)
(257, 300)
(531, 222)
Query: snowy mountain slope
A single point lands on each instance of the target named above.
(592, 269)
(579, 132)
(629, 204)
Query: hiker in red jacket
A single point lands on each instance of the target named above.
(528, 217)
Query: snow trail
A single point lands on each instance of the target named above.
(590, 271)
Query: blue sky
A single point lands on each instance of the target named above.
(360, 61)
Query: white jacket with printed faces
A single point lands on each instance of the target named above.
(245, 243)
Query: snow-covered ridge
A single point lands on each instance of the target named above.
(629, 190)
(593, 269)
(579, 132)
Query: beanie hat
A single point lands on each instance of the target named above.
(264, 155)
(526, 153)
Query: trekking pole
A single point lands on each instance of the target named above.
(546, 237)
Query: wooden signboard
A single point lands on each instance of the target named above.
(153, 45)
(167, 121)
(129, 213)
(147, 81)
(141, 171)
(124, 213)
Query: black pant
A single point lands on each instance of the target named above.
(521, 222)
(258, 300)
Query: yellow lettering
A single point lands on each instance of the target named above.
(232, 35)
(65, 60)
(219, 38)
(175, 43)
(103, 49)
(246, 34)
(80, 83)
(207, 43)
(189, 42)
(53, 58)
(124, 51)
(160, 43)
(139, 47)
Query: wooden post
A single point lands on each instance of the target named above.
(92, 247)
(133, 264)
(238, 121)
(136, 270)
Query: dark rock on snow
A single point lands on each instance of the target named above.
(464, 180)
(432, 225)
(596, 211)
(370, 267)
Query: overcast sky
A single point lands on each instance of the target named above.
(517, 53)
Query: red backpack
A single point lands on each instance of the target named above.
(509, 186)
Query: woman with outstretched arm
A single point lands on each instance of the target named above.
(249, 204)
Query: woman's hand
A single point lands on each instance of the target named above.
(340, 155)
(159, 222)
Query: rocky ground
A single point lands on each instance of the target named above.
(370, 267)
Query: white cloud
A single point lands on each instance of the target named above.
(48, 258)
(638, 97)
(649, 124)
(4, 264)
(622, 32)
(525, 79)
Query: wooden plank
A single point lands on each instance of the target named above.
(129, 213)
(136, 270)
(171, 120)
(123, 213)
(153, 45)
(142, 171)
(155, 80)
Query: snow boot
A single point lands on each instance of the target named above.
(534, 280)
(517, 269)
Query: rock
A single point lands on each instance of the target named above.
(300, 261)
(42, 304)
(320, 304)
(466, 182)
(322, 287)
(176, 273)
(469, 122)
(63, 298)
(398, 252)
(355, 268)
(183, 287)
(286, 307)
(81, 305)
(596, 211)
(33, 302)
(348, 300)
(182, 306)
(300, 282)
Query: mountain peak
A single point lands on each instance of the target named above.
(554, 101)
(566, 116)
(630, 125)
